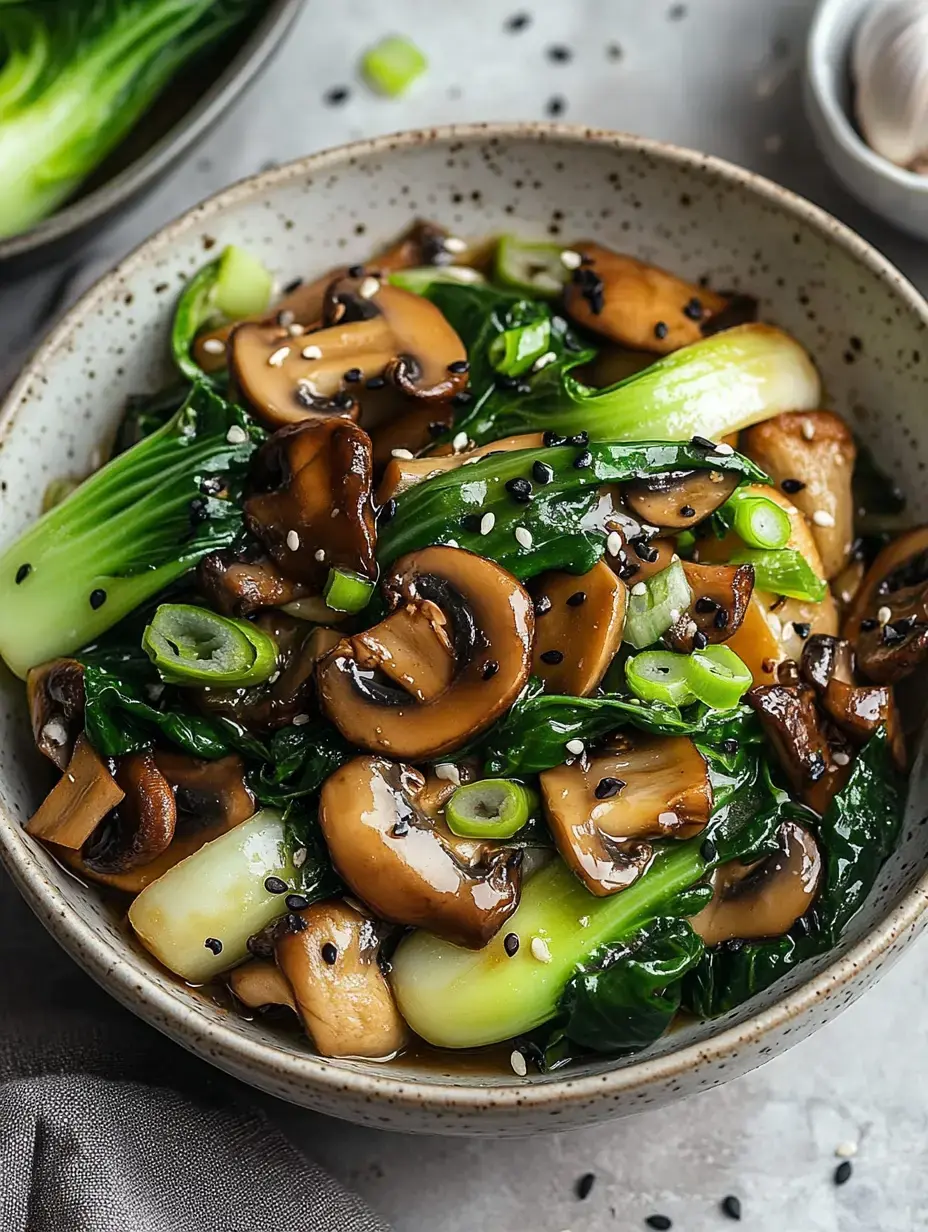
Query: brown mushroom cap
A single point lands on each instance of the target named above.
(404, 473)
(142, 826)
(888, 619)
(637, 305)
(488, 623)
(237, 586)
(259, 983)
(815, 449)
(397, 860)
(396, 427)
(313, 510)
(721, 594)
(791, 723)
(340, 992)
(675, 500)
(765, 899)
(603, 810)
(581, 618)
(78, 802)
(55, 693)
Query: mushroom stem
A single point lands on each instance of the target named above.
(78, 802)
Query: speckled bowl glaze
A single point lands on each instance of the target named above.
(861, 320)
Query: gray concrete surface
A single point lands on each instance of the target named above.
(721, 75)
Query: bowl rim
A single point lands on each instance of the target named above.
(240, 72)
(819, 49)
(172, 1010)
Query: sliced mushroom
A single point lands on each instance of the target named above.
(888, 620)
(858, 710)
(332, 967)
(675, 500)
(404, 473)
(637, 305)
(603, 811)
(639, 557)
(398, 860)
(488, 622)
(78, 802)
(579, 620)
(774, 631)
(721, 594)
(412, 648)
(238, 586)
(811, 455)
(407, 431)
(792, 725)
(260, 983)
(142, 826)
(313, 507)
(763, 899)
(55, 693)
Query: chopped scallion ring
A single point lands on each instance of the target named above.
(660, 676)
(760, 522)
(346, 591)
(718, 677)
(393, 65)
(535, 269)
(192, 646)
(491, 808)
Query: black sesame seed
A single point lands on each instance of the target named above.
(490, 668)
(703, 442)
(511, 944)
(471, 522)
(608, 787)
(343, 400)
(293, 286)
(583, 460)
(377, 382)
(353, 375)
(329, 953)
(552, 656)
(336, 96)
(296, 923)
(731, 1206)
(660, 1223)
(401, 828)
(628, 571)
(693, 309)
(296, 902)
(721, 619)
(517, 22)
(729, 746)
(458, 366)
(579, 438)
(198, 510)
(555, 106)
(213, 944)
(520, 490)
(661, 330)
(585, 1185)
(803, 628)
(355, 271)
(507, 382)
(700, 641)
(542, 605)
(792, 486)
(843, 1172)
(644, 551)
(462, 399)
(687, 511)
(868, 624)
(22, 573)
(542, 472)
(592, 288)
(578, 597)
(816, 768)
(274, 885)
(708, 851)
(437, 428)
(97, 599)
(550, 439)
(705, 604)
(388, 510)
(559, 54)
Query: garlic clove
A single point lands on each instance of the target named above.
(889, 66)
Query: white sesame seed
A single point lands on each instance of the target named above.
(650, 530)
(668, 820)
(487, 522)
(299, 857)
(724, 450)
(691, 628)
(571, 260)
(236, 435)
(319, 554)
(405, 454)
(543, 360)
(277, 359)
(840, 759)
(285, 317)
(299, 720)
(459, 442)
(808, 429)
(884, 615)
(821, 517)
(674, 614)
(523, 536)
(311, 352)
(574, 746)
(293, 541)
(517, 1061)
(639, 589)
(273, 679)
(296, 329)
(452, 543)
(775, 623)
(540, 950)
(613, 543)
(846, 1150)
(454, 243)
(448, 771)
(369, 287)
(214, 346)
(55, 732)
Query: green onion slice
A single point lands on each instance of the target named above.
(660, 676)
(192, 646)
(421, 278)
(784, 572)
(346, 591)
(490, 808)
(760, 522)
(515, 350)
(650, 612)
(534, 269)
(718, 677)
(393, 65)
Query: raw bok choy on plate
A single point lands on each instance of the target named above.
(490, 644)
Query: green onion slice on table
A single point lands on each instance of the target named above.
(491, 808)
(192, 646)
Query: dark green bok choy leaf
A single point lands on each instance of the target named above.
(127, 532)
(234, 286)
(75, 79)
(716, 386)
(560, 517)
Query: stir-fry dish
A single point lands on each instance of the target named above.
(491, 643)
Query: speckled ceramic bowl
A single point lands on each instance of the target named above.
(862, 321)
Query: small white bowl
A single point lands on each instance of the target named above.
(900, 196)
